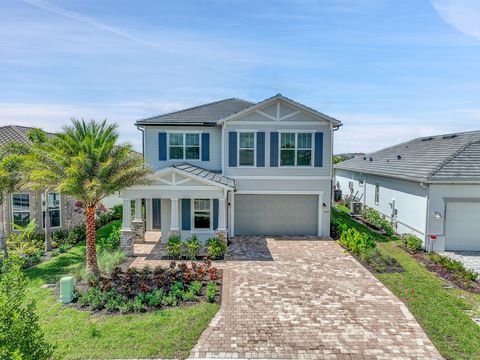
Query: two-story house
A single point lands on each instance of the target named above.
(234, 167)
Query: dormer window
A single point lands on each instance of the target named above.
(184, 146)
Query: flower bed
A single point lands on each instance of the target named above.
(176, 249)
(132, 290)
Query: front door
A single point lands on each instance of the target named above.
(157, 218)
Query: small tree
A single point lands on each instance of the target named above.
(20, 334)
(87, 162)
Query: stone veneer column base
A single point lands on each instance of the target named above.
(222, 235)
(138, 226)
(127, 238)
(175, 233)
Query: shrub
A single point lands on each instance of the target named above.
(64, 248)
(174, 247)
(155, 297)
(216, 249)
(127, 307)
(117, 212)
(114, 300)
(192, 247)
(379, 221)
(412, 242)
(92, 297)
(21, 336)
(54, 253)
(456, 267)
(176, 289)
(211, 292)
(356, 241)
(58, 236)
(76, 234)
(111, 242)
(108, 260)
(138, 304)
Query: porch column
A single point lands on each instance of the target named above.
(174, 215)
(149, 214)
(222, 221)
(127, 214)
(138, 226)
(138, 209)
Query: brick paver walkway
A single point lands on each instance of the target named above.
(310, 301)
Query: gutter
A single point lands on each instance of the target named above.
(428, 241)
(177, 124)
(143, 140)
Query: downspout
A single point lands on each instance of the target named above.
(143, 140)
(334, 128)
(428, 242)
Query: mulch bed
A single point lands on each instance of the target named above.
(378, 264)
(440, 271)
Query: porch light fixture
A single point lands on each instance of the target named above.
(437, 215)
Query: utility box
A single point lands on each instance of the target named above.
(355, 208)
(66, 289)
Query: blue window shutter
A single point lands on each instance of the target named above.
(274, 149)
(162, 146)
(318, 149)
(215, 214)
(260, 149)
(205, 147)
(186, 223)
(232, 148)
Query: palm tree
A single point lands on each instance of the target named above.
(86, 162)
(11, 162)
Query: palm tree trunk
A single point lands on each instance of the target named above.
(91, 250)
(48, 244)
(3, 238)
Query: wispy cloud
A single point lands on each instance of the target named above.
(464, 15)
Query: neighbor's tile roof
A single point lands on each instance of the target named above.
(450, 157)
(203, 114)
(204, 173)
(13, 133)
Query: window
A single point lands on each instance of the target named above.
(184, 146)
(53, 209)
(246, 149)
(21, 209)
(360, 182)
(377, 194)
(296, 149)
(350, 186)
(201, 213)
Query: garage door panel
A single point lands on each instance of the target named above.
(262, 214)
(462, 228)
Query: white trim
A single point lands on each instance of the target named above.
(296, 132)
(184, 145)
(11, 208)
(254, 148)
(280, 192)
(192, 215)
(269, 123)
(171, 187)
(266, 115)
(164, 171)
(232, 214)
(280, 177)
(50, 209)
(279, 98)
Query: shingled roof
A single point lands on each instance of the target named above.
(13, 133)
(442, 158)
(207, 114)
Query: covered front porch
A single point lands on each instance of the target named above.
(182, 200)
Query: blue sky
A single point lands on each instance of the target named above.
(390, 70)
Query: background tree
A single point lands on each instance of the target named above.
(86, 162)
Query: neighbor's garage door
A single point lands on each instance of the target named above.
(463, 226)
(257, 214)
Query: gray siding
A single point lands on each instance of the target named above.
(151, 146)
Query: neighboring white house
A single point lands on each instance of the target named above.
(428, 186)
(235, 167)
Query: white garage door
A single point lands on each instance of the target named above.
(463, 226)
(257, 214)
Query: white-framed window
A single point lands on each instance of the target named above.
(53, 209)
(183, 146)
(296, 149)
(350, 186)
(20, 209)
(377, 194)
(246, 148)
(202, 214)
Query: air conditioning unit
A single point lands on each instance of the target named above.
(355, 208)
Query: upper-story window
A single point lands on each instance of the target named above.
(246, 149)
(184, 146)
(295, 149)
(53, 209)
(21, 209)
(377, 194)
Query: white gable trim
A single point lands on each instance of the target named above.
(187, 177)
(277, 98)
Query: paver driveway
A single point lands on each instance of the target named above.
(307, 300)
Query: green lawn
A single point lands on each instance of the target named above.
(442, 313)
(79, 334)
